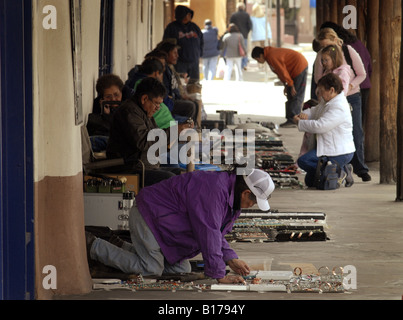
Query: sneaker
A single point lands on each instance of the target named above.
(365, 177)
(341, 181)
(349, 179)
(288, 124)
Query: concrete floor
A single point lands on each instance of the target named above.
(365, 226)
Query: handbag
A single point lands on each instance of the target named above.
(240, 48)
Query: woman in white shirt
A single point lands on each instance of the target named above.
(332, 124)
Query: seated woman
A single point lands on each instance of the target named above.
(110, 88)
(332, 124)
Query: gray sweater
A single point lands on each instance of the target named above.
(231, 41)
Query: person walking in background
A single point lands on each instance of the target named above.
(210, 50)
(261, 29)
(292, 69)
(233, 41)
(190, 40)
(242, 20)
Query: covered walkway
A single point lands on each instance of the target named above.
(365, 224)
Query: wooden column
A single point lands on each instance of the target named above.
(373, 112)
(333, 10)
(319, 14)
(340, 15)
(326, 10)
(399, 189)
(362, 20)
(390, 43)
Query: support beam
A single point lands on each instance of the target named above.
(399, 189)
(373, 112)
(390, 43)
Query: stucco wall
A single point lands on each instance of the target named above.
(59, 204)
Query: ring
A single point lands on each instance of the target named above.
(326, 268)
(295, 271)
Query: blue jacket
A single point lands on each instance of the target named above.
(210, 36)
(190, 214)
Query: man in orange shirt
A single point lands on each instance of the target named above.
(292, 69)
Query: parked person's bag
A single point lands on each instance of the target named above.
(327, 174)
(241, 50)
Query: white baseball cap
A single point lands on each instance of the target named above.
(262, 186)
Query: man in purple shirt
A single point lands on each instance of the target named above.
(176, 219)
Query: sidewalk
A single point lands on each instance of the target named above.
(365, 224)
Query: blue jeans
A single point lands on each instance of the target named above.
(358, 162)
(294, 104)
(142, 256)
(99, 143)
(191, 68)
(245, 59)
(309, 161)
(210, 67)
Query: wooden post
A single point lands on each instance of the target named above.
(373, 112)
(340, 14)
(333, 10)
(362, 21)
(278, 13)
(319, 15)
(399, 189)
(390, 43)
(326, 10)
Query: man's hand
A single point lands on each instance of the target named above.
(231, 279)
(239, 266)
(186, 125)
(293, 92)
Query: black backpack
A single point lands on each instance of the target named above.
(327, 174)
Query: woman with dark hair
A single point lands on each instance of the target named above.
(110, 87)
(176, 99)
(176, 219)
(233, 41)
(332, 124)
